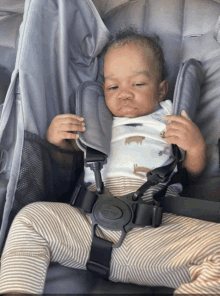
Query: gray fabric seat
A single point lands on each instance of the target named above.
(60, 279)
(191, 28)
(64, 280)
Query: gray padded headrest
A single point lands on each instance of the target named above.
(90, 104)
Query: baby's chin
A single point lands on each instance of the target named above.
(130, 114)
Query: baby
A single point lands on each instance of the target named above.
(133, 86)
(174, 254)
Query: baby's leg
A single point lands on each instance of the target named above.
(182, 253)
(40, 233)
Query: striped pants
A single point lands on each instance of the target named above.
(183, 253)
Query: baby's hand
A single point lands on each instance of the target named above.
(63, 128)
(184, 133)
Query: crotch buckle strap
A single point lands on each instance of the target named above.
(113, 213)
(121, 214)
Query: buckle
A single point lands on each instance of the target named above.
(112, 213)
(96, 168)
(116, 214)
(123, 214)
(95, 160)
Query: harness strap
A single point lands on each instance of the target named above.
(100, 256)
(83, 199)
(124, 213)
(192, 207)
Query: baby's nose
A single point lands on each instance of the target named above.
(125, 95)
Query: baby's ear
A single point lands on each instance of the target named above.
(163, 90)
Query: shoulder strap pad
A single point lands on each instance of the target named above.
(90, 104)
(187, 88)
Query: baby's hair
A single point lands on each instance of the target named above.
(132, 35)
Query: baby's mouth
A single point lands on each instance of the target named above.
(126, 109)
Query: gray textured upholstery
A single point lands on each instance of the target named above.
(11, 15)
(186, 29)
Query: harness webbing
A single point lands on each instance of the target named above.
(114, 213)
(100, 257)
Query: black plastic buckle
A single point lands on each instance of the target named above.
(120, 214)
(96, 168)
(154, 177)
(112, 213)
(115, 214)
(95, 160)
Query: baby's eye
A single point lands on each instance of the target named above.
(113, 87)
(139, 84)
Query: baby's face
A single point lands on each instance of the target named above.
(132, 85)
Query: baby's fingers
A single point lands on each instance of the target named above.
(72, 127)
(64, 119)
(173, 140)
(68, 116)
(175, 132)
(69, 136)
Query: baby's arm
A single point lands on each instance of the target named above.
(61, 131)
(184, 133)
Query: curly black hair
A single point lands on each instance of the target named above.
(132, 35)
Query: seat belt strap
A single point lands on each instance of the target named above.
(100, 257)
(192, 207)
(83, 199)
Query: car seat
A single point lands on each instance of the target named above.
(188, 29)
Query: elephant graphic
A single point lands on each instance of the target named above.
(141, 171)
(136, 139)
